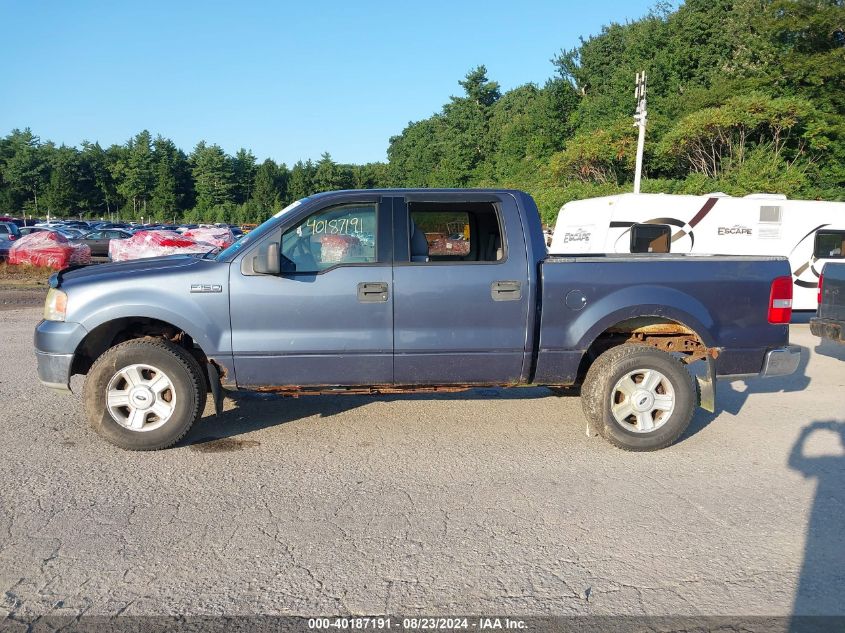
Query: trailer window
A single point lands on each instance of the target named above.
(830, 245)
(651, 238)
(770, 214)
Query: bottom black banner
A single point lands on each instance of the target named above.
(575, 624)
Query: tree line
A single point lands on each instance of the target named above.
(744, 95)
(152, 179)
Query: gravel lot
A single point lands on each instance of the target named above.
(487, 501)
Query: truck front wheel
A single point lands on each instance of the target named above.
(144, 394)
(639, 398)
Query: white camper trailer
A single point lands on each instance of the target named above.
(808, 232)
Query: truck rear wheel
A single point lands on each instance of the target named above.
(144, 394)
(639, 398)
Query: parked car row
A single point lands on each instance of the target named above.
(97, 235)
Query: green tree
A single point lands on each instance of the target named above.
(371, 176)
(25, 169)
(62, 194)
(102, 194)
(605, 155)
(301, 182)
(265, 192)
(328, 175)
(164, 201)
(243, 173)
(479, 89)
(134, 172)
(213, 176)
(712, 140)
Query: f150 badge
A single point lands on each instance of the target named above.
(206, 288)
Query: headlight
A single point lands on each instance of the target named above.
(55, 306)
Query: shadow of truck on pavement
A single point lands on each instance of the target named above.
(819, 453)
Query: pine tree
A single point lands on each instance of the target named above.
(243, 172)
(213, 176)
(265, 192)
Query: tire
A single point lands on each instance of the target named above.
(639, 398)
(156, 390)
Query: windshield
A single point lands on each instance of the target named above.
(255, 234)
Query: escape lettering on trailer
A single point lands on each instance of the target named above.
(734, 230)
(576, 236)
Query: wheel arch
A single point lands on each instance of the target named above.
(678, 333)
(114, 331)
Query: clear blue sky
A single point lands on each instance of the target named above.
(288, 80)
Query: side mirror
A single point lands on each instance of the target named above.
(267, 262)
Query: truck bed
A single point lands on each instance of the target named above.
(724, 299)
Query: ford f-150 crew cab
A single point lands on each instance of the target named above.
(390, 291)
(830, 318)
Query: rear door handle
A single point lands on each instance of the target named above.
(506, 291)
(372, 292)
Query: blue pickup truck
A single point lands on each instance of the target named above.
(390, 291)
(830, 319)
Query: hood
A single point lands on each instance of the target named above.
(118, 270)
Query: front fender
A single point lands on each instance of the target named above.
(212, 336)
(167, 297)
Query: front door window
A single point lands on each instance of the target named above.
(339, 235)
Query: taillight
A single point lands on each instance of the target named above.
(780, 300)
(821, 281)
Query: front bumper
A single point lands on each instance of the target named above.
(828, 328)
(55, 345)
(54, 370)
(782, 361)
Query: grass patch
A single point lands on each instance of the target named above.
(24, 276)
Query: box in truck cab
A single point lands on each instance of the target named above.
(411, 290)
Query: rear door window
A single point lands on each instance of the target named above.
(460, 232)
(447, 232)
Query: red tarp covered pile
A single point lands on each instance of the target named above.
(154, 244)
(216, 236)
(335, 249)
(48, 248)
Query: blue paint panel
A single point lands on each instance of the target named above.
(156, 288)
(448, 327)
(276, 321)
(723, 299)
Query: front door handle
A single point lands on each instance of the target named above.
(506, 291)
(372, 292)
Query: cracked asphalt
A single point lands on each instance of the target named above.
(480, 502)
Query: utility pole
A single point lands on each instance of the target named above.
(640, 121)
